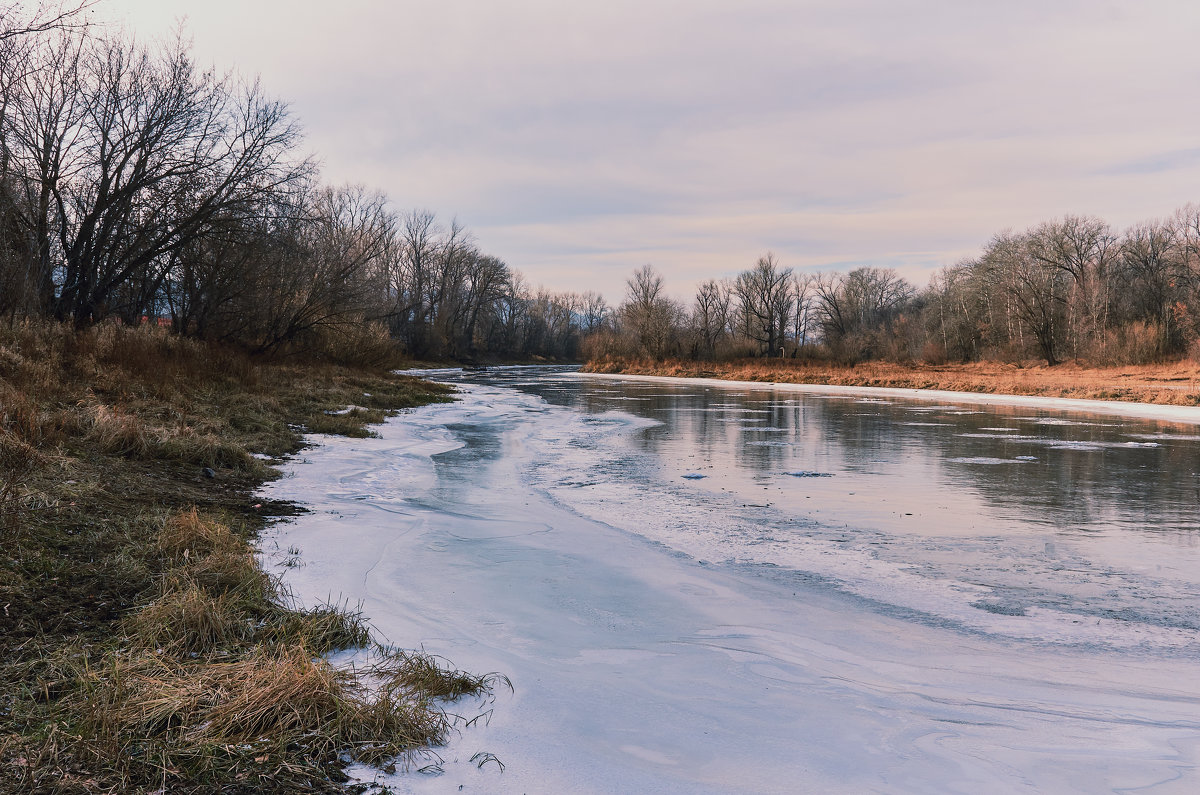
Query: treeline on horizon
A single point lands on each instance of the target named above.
(1068, 289)
(138, 187)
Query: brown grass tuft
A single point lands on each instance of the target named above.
(278, 712)
(232, 572)
(18, 462)
(118, 433)
(366, 345)
(426, 673)
(187, 533)
(190, 620)
(321, 629)
(352, 423)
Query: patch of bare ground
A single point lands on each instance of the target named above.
(142, 648)
(1176, 383)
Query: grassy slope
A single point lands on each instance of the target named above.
(1171, 384)
(141, 646)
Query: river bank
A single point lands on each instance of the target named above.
(1167, 384)
(142, 646)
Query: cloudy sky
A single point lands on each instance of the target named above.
(579, 141)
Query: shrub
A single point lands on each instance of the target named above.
(367, 345)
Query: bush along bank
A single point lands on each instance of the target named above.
(142, 647)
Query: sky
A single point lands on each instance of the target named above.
(578, 141)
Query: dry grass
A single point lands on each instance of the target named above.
(424, 673)
(190, 620)
(118, 433)
(320, 629)
(142, 648)
(277, 713)
(220, 677)
(1170, 384)
(230, 571)
(351, 423)
(187, 533)
(240, 720)
(19, 460)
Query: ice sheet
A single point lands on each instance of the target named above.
(671, 636)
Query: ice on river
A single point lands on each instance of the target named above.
(909, 621)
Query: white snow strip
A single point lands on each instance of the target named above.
(1150, 411)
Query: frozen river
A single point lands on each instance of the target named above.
(701, 587)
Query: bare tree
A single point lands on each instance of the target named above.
(651, 317)
(1038, 291)
(765, 299)
(594, 312)
(412, 276)
(15, 23)
(127, 156)
(956, 312)
(856, 310)
(1155, 279)
(803, 309)
(43, 122)
(315, 274)
(711, 315)
(1083, 248)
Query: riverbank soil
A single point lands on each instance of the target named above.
(142, 647)
(1176, 384)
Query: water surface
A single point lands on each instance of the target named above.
(1084, 526)
(702, 588)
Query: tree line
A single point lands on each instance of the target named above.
(138, 187)
(1069, 289)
